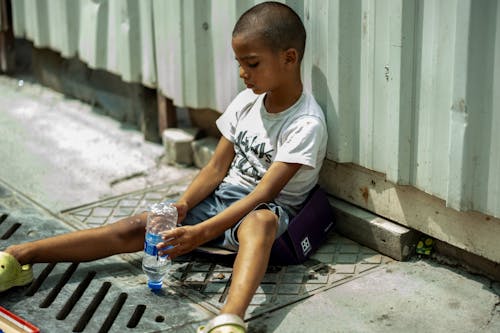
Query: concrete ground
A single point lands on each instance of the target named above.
(60, 155)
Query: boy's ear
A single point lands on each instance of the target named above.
(291, 56)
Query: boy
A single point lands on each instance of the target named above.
(266, 162)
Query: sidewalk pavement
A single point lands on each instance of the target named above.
(65, 166)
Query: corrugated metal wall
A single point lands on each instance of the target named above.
(410, 88)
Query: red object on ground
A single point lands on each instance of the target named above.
(9, 322)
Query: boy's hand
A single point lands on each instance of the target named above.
(182, 209)
(182, 239)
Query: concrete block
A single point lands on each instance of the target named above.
(177, 143)
(370, 230)
(203, 150)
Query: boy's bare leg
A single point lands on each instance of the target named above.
(126, 235)
(256, 236)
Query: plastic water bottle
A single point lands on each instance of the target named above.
(161, 217)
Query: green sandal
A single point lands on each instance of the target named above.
(12, 273)
(224, 323)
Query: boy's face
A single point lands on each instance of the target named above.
(261, 68)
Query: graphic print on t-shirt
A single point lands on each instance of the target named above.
(246, 147)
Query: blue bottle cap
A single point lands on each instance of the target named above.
(155, 285)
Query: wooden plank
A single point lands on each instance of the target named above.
(143, 105)
(167, 117)
(7, 56)
(471, 231)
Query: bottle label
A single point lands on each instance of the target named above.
(150, 243)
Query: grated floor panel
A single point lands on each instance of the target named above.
(206, 280)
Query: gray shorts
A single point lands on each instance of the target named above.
(224, 196)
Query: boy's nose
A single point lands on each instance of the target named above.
(243, 74)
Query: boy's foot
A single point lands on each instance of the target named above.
(12, 273)
(224, 323)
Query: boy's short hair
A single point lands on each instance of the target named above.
(276, 23)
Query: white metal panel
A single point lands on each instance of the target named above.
(409, 88)
(146, 65)
(18, 20)
(168, 46)
(62, 13)
(195, 64)
(225, 71)
(197, 52)
(479, 99)
(93, 33)
(492, 200)
(118, 36)
(37, 21)
(435, 59)
(324, 75)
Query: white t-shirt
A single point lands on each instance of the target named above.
(295, 135)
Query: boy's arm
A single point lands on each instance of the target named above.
(187, 238)
(208, 178)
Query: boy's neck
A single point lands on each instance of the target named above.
(281, 99)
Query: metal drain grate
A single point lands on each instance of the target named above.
(11, 230)
(92, 301)
(108, 295)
